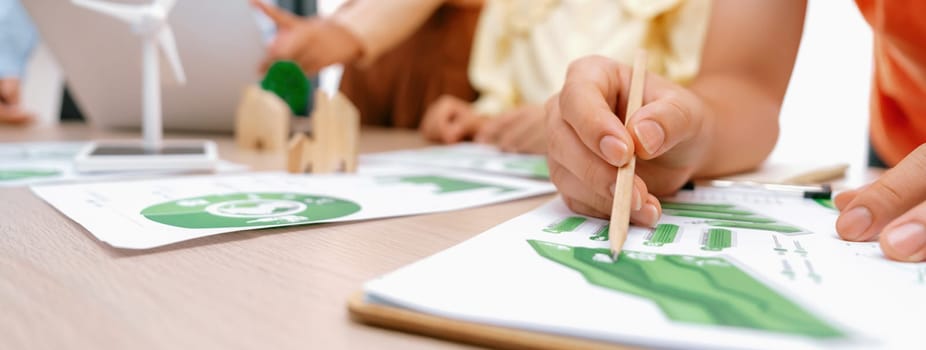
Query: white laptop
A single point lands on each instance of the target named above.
(219, 42)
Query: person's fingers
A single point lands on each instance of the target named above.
(581, 199)
(904, 239)
(587, 103)
(649, 213)
(515, 135)
(583, 209)
(10, 114)
(309, 61)
(453, 131)
(535, 142)
(433, 118)
(281, 18)
(842, 199)
(494, 127)
(893, 194)
(565, 148)
(664, 123)
(9, 91)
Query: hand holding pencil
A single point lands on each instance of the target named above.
(587, 142)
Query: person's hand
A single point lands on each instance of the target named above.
(519, 130)
(450, 120)
(10, 110)
(313, 43)
(587, 141)
(894, 206)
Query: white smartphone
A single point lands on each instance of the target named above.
(132, 155)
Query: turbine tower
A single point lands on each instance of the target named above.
(150, 23)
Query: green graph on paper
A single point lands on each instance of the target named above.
(662, 235)
(717, 239)
(601, 234)
(565, 225)
(729, 216)
(448, 184)
(20, 174)
(689, 289)
(826, 203)
(533, 167)
(249, 209)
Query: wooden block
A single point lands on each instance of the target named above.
(262, 121)
(349, 129)
(295, 156)
(333, 145)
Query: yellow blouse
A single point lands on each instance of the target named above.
(523, 48)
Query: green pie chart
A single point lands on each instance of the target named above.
(249, 210)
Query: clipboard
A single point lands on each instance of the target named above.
(384, 316)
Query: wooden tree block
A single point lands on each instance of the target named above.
(333, 145)
(262, 121)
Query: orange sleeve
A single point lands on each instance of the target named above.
(898, 100)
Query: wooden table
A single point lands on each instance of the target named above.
(284, 288)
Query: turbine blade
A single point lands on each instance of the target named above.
(169, 48)
(126, 13)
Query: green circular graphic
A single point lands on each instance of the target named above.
(249, 209)
(19, 174)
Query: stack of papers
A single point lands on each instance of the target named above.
(723, 269)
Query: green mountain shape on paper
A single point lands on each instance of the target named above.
(20, 174)
(248, 210)
(447, 184)
(688, 289)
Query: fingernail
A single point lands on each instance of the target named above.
(908, 239)
(636, 202)
(854, 223)
(614, 150)
(652, 214)
(650, 134)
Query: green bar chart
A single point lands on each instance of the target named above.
(662, 235)
(565, 225)
(729, 216)
(717, 239)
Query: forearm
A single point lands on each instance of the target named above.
(742, 123)
(747, 61)
(381, 24)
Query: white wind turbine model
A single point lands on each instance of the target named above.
(149, 21)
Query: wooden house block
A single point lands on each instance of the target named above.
(262, 121)
(333, 145)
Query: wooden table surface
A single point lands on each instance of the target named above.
(283, 288)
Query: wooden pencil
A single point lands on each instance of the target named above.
(623, 185)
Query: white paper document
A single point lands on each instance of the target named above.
(469, 156)
(723, 269)
(151, 213)
(29, 163)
